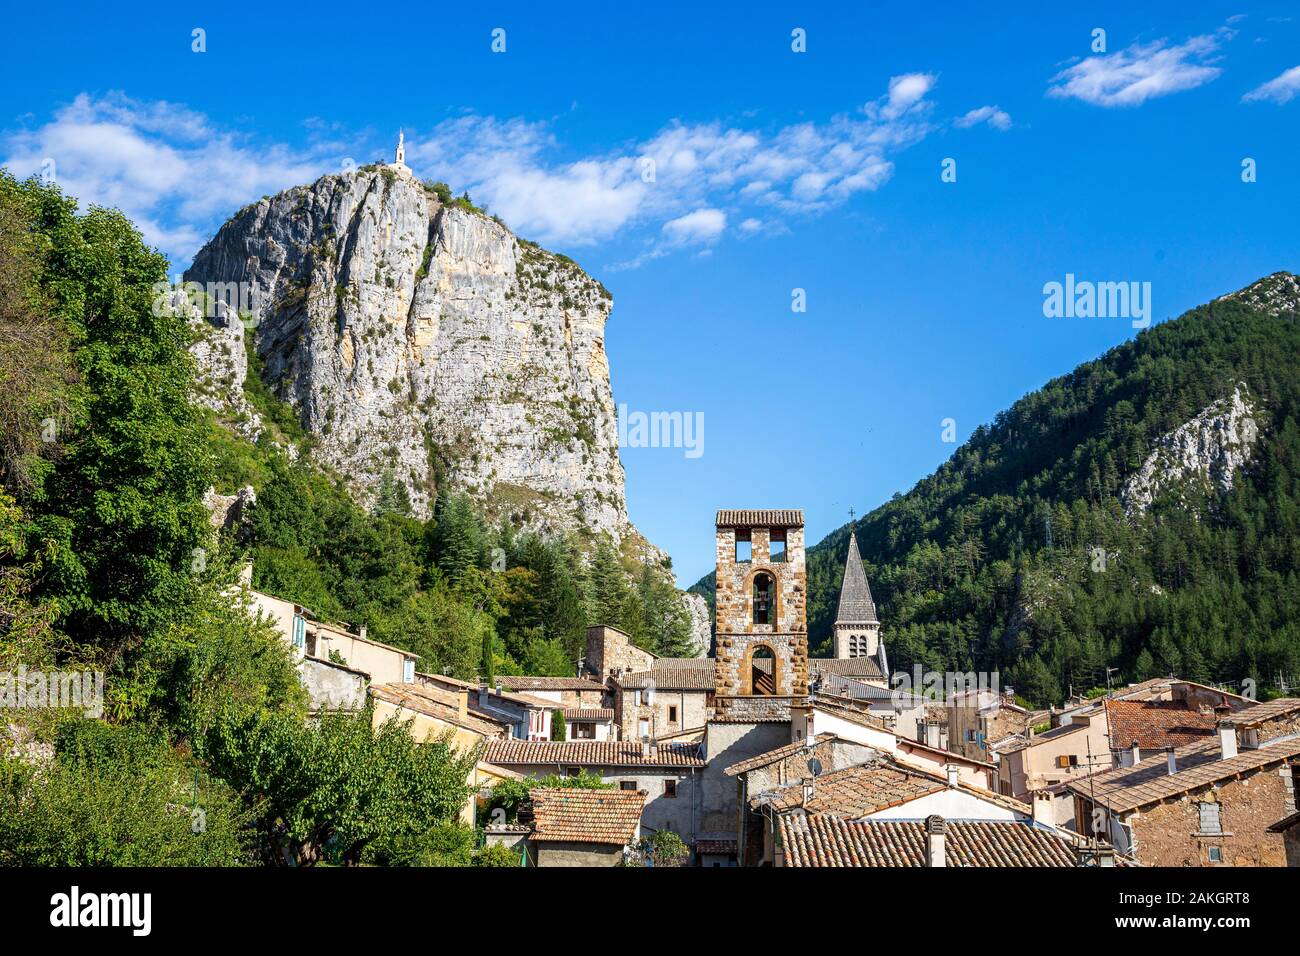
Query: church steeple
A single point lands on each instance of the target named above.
(401, 148)
(857, 628)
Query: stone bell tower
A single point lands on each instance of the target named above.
(761, 659)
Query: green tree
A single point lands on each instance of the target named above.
(331, 789)
(121, 505)
(117, 797)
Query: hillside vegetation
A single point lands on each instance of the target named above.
(1204, 583)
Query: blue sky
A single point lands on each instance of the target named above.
(774, 171)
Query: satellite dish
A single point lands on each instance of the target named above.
(814, 766)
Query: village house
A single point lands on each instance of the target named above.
(1109, 731)
(1209, 803)
(573, 827)
(978, 718)
(334, 664)
(527, 715)
(667, 773)
(560, 691)
(671, 695)
(850, 780)
(589, 723)
(851, 720)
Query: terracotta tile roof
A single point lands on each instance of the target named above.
(716, 847)
(855, 688)
(845, 667)
(1286, 823)
(586, 816)
(507, 828)
(591, 753)
(852, 715)
(1155, 724)
(589, 713)
(1013, 743)
(523, 682)
(779, 518)
(859, 791)
(673, 673)
(1258, 713)
(696, 734)
(1146, 690)
(772, 756)
(1129, 788)
(421, 699)
(819, 840)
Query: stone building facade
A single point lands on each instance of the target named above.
(1172, 834)
(761, 611)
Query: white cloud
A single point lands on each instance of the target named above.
(904, 92)
(1137, 73)
(1280, 89)
(992, 115)
(177, 174)
(702, 225)
(163, 165)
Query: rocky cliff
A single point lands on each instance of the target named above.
(1208, 451)
(422, 341)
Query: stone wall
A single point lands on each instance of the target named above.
(1285, 726)
(1169, 834)
(611, 651)
(331, 687)
(691, 706)
(578, 854)
(727, 744)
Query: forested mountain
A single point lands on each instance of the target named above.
(1142, 513)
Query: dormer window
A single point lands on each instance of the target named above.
(764, 590)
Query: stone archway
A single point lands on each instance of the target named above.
(762, 671)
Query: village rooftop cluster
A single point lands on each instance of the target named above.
(761, 755)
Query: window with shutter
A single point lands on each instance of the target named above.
(1210, 818)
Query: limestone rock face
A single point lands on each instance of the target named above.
(1209, 450)
(223, 366)
(1277, 294)
(701, 631)
(426, 343)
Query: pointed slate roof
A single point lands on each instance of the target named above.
(856, 606)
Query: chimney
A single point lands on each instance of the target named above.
(462, 703)
(1227, 741)
(954, 774)
(363, 632)
(934, 841)
(498, 688)
(807, 790)
(1137, 753)
(1042, 803)
(1173, 761)
(932, 735)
